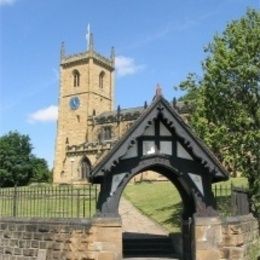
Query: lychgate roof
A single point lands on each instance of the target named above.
(190, 146)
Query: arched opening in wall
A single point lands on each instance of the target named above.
(85, 168)
(76, 78)
(152, 214)
(101, 79)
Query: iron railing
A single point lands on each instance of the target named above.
(64, 201)
(229, 201)
(79, 201)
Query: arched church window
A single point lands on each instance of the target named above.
(76, 78)
(101, 79)
(85, 168)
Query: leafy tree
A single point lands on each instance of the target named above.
(17, 163)
(227, 98)
(40, 170)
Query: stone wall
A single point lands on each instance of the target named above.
(101, 238)
(238, 233)
(40, 239)
(225, 239)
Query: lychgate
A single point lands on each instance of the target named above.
(161, 141)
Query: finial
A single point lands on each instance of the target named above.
(158, 90)
(113, 55)
(62, 50)
(145, 105)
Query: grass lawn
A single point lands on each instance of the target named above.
(239, 181)
(161, 200)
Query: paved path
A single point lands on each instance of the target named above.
(135, 222)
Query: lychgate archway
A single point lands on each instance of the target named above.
(161, 141)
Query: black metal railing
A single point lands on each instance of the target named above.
(231, 200)
(64, 201)
(79, 201)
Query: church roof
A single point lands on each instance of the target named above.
(175, 122)
(133, 113)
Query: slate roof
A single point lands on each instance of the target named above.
(134, 112)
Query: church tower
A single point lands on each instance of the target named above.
(86, 90)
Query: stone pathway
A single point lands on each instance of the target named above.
(135, 222)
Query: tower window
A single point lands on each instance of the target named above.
(76, 78)
(101, 79)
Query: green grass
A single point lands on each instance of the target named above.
(161, 201)
(239, 181)
(254, 251)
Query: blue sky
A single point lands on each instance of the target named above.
(155, 42)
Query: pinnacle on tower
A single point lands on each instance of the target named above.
(113, 55)
(62, 50)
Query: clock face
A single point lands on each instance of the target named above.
(74, 103)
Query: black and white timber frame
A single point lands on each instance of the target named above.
(160, 141)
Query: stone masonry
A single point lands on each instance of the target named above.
(225, 239)
(74, 239)
(101, 238)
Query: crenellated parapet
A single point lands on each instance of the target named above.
(84, 57)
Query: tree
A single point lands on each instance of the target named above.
(17, 163)
(227, 98)
(40, 170)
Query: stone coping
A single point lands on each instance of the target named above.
(241, 218)
(202, 221)
(107, 221)
(98, 221)
(54, 221)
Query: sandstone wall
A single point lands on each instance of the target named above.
(225, 239)
(101, 238)
(39, 239)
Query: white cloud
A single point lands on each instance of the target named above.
(127, 66)
(7, 2)
(47, 114)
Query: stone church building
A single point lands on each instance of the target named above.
(88, 124)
